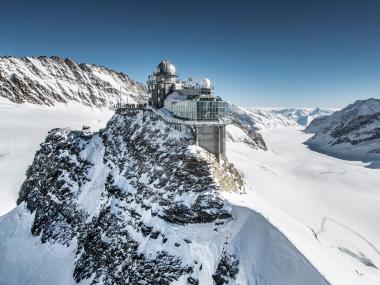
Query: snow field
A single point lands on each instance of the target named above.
(23, 128)
(327, 207)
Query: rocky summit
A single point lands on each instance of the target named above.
(121, 195)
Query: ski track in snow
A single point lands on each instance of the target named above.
(323, 229)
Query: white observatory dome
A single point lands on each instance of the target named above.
(166, 67)
(206, 83)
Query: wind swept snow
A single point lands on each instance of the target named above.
(28, 260)
(23, 128)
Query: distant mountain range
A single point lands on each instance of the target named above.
(353, 132)
(267, 119)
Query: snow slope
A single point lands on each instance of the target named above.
(351, 133)
(139, 203)
(24, 254)
(266, 256)
(239, 133)
(49, 80)
(328, 208)
(23, 127)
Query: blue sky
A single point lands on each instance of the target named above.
(261, 53)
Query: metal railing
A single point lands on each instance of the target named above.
(168, 119)
(178, 121)
(120, 106)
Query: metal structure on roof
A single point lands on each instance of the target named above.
(165, 67)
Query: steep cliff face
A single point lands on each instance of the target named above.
(116, 192)
(138, 203)
(353, 131)
(50, 80)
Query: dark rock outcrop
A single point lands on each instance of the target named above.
(143, 176)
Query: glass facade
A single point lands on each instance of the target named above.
(202, 109)
(210, 110)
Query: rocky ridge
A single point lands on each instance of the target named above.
(50, 80)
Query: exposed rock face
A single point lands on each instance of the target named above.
(355, 130)
(227, 269)
(50, 80)
(238, 132)
(121, 188)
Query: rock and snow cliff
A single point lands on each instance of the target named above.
(353, 132)
(138, 203)
(50, 80)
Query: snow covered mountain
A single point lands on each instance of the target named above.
(353, 132)
(139, 203)
(267, 119)
(50, 80)
(303, 117)
(41, 93)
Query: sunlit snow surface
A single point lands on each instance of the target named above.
(23, 128)
(265, 255)
(329, 208)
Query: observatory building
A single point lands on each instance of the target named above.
(187, 99)
(193, 102)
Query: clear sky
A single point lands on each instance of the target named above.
(258, 53)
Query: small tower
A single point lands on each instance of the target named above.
(161, 83)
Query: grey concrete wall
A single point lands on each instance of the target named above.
(213, 139)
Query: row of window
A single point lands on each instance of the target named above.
(197, 110)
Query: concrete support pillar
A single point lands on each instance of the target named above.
(212, 139)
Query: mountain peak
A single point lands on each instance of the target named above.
(352, 132)
(49, 80)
